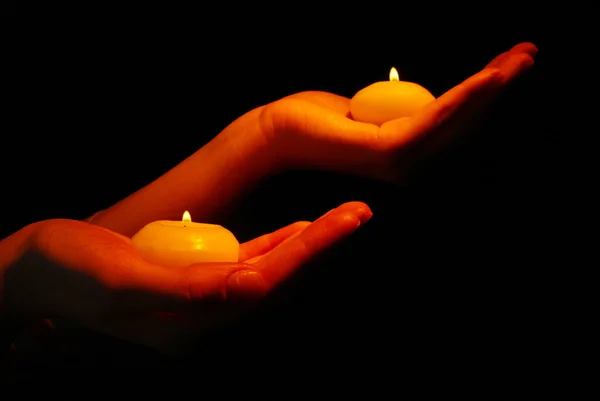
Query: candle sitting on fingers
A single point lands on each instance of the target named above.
(388, 100)
(182, 243)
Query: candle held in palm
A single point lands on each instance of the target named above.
(182, 243)
(388, 100)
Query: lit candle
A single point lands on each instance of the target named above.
(387, 100)
(182, 243)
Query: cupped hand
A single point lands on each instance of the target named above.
(71, 269)
(316, 130)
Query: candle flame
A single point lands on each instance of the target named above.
(394, 76)
(186, 217)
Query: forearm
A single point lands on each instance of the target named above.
(207, 183)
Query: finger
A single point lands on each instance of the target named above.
(497, 61)
(523, 48)
(80, 270)
(473, 110)
(353, 206)
(441, 109)
(514, 66)
(156, 289)
(263, 244)
(312, 241)
(348, 206)
(329, 125)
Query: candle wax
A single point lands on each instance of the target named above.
(182, 243)
(388, 100)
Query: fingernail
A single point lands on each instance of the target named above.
(534, 51)
(245, 284)
(364, 215)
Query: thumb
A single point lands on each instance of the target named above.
(74, 269)
(191, 288)
(221, 282)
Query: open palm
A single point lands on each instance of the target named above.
(316, 130)
(78, 272)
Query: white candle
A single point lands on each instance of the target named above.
(182, 243)
(388, 100)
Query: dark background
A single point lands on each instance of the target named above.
(103, 110)
(452, 275)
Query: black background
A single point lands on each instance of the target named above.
(104, 109)
(453, 275)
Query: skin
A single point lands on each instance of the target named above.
(90, 271)
(312, 130)
(71, 269)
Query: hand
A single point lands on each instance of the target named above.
(315, 129)
(71, 269)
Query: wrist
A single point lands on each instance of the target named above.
(296, 137)
(241, 155)
(251, 142)
(279, 129)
